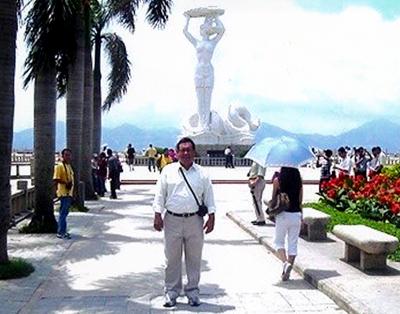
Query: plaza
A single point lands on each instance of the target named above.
(115, 263)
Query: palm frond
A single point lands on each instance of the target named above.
(124, 11)
(158, 12)
(49, 35)
(120, 74)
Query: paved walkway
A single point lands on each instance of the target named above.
(114, 264)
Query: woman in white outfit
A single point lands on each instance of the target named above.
(204, 76)
(288, 223)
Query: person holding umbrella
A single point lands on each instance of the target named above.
(288, 222)
(257, 185)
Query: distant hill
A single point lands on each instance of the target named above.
(377, 132)
(116, 138)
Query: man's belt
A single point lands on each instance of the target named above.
(181, 215)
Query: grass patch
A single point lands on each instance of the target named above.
(15, 268)
(344, 218)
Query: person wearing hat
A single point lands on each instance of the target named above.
(324, 160)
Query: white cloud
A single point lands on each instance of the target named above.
(275, 51)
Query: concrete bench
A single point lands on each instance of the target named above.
(315, 222)
(365, 245)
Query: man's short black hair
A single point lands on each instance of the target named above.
(341, 150)
(66, 150)
(185, 140)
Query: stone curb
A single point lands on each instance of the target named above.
(346, 301)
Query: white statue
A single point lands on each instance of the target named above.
(211, 32)
(206, 126)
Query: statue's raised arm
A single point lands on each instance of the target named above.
(186, 31)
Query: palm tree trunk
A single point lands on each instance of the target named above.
(8, 33)
(87, 119)
(45, 99)
(75, 93)
(97, 124)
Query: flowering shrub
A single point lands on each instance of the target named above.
(377, 199)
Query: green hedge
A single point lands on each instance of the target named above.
(344, 218)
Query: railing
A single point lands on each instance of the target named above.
(22, 204)
(204, 161)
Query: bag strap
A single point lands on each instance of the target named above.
(190, 188)
(66, 171)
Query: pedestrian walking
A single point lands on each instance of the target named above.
(183, 226)
(64, 179)
(151, 153)
(288, 222)
(257, 186)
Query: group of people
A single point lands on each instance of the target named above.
(358, 162)
(159, 161)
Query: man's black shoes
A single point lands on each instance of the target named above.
(169, 302)
(258, 223)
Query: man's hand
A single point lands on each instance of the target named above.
(158, 222)
(209, 225)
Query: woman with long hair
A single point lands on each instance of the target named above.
(288, 223)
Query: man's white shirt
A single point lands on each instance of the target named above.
(173, 194)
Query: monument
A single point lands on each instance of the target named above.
(206, 127)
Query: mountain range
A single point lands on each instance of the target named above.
(380, 132)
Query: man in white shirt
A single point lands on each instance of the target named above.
(183, 227)
(257, 185)
(345, 164)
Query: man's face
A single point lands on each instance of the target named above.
(186, 153)
(67, 156)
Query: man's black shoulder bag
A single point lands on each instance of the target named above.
(203, 210)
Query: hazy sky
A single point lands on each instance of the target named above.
(312, 66)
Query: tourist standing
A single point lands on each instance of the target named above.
(288, 223)
(102, 173)
(324, 160)
(228, 157)
(345, 164)
(113, 172)
(130, 156)
(163, 160)
(64, 178)
(257, 185)
(151, 153)
(183, 227)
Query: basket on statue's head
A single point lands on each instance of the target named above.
(204, 12)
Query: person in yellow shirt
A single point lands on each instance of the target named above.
(64, 178)
(151, 153)
(164, 159)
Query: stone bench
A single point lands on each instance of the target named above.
(314, 224)
(365, 245)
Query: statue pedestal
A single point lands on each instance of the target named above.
(202, 149)
(238, 129)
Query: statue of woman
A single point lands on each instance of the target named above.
(204, 76)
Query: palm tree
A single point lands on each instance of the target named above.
(124, 11)
(46, 64)
(8, 34)
(87, 118)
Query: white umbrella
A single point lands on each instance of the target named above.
(280, 152)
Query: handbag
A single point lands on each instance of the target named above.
(203, 209)
(282, 203)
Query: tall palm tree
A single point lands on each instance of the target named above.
(8, 34)
(75, 94)
(49, 54)
(87, 118)
(124, 11)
